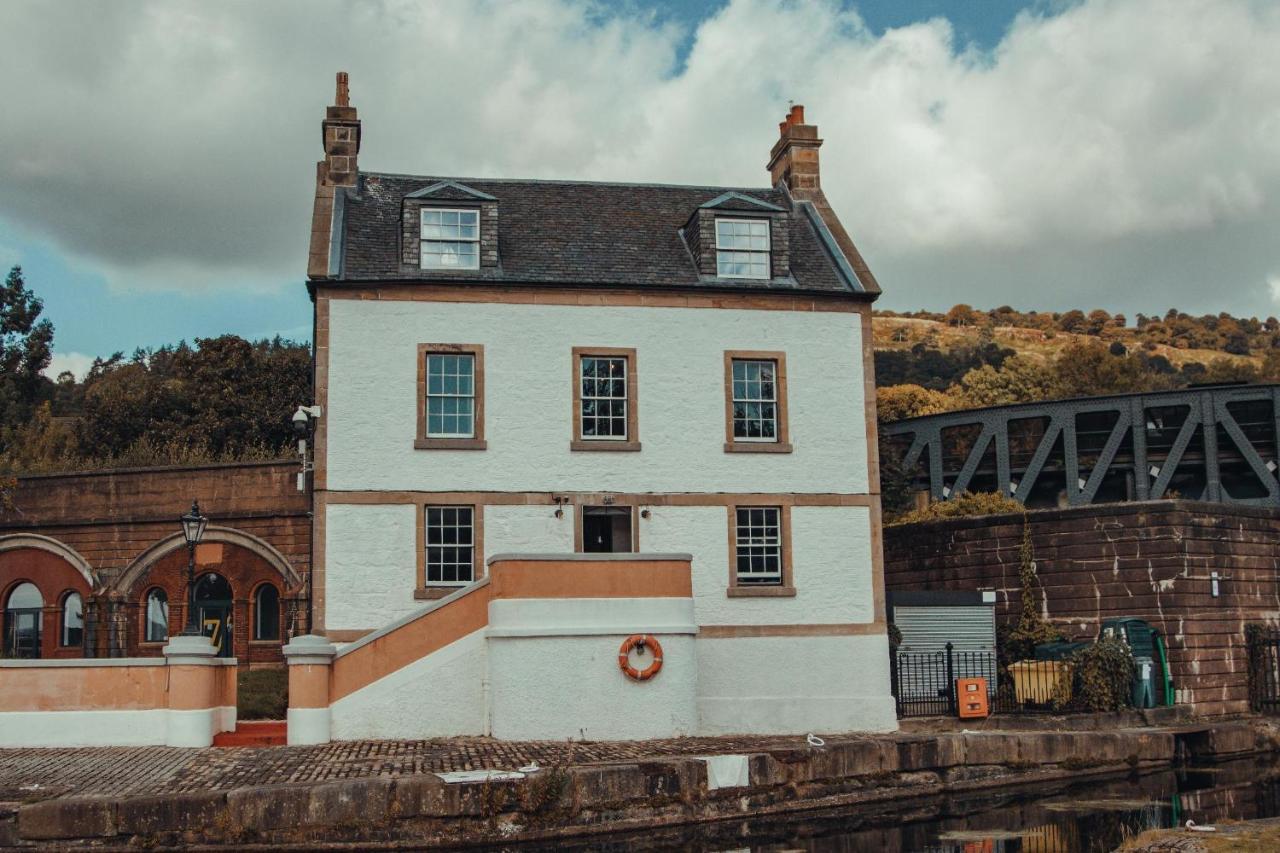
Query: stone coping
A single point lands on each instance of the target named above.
(590, 558)
(409, 617)
(49, 663)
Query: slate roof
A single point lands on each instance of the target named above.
(579, 233)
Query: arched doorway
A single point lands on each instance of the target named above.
(215, 615)
(23, 621)
(153, 596)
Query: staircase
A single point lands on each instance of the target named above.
(253, 733)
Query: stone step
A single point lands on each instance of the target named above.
(254, 733)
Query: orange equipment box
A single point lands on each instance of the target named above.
(971, 698)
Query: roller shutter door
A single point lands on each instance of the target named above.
(969, 628)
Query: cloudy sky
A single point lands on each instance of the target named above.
(157, 158)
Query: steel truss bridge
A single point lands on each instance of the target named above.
(1214, 443)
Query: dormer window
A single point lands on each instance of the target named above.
(742, 248)
(450, 239)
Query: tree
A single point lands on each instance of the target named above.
(1018, 380)
(910, 401)
(25, 349)
(961, 315)
(1097, 321)
(1073, 322)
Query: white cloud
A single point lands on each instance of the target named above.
(77, 362)
(1120, 153)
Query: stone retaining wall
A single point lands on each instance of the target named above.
(1152, 560)
(564, 802)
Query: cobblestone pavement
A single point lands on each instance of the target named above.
(27, 774)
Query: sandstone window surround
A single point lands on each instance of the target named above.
(755, 402)
(760, 552)
(605, 411)
(450, 394)
(450, 547)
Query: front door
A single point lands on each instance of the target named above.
(607, 530)
(214, 612)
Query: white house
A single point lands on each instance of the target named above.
(571, 373)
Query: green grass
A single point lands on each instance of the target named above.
(262, 694)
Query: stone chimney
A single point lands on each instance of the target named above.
(340, 136)
(794, 158)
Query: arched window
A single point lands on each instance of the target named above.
(266, 613)
(157, 616)
(22, 622)
(72, 619)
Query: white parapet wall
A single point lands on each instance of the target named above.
(181, 701)
(440, 695)
(532, 652)
(554, 671)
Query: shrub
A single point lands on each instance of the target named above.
(262, 694)
(962, 505)
(1102, 676)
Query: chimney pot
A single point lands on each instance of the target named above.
(343, 98)
(797, 114)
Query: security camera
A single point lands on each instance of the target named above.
(302, 419)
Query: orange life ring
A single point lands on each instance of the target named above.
(624, 656)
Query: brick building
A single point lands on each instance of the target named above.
(94, 564)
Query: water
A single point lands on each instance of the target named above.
(1083, 817)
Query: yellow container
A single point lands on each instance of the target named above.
(1037, 680)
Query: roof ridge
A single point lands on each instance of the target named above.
(562, 181)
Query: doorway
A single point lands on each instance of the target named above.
(214, 612)
(607, 530)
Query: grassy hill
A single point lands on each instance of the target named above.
(1040, 345)
(931, 362)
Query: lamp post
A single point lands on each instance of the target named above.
(193, 524)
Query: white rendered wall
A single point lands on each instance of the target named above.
(371, 555)
(831, 560)
(371, 567)
(554, 674)
(794, 685)
(527, 529)
(372, 406)
(84, 728)
(441, 695)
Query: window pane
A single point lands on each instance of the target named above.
(450, 395)
(157, 616)
(603, 405)
(266, 613)
(450, 545)
(72, 620)
(759, 545)
(755, 414)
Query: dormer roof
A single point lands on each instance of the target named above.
(577, 233)
(737, 201)
(450, 191)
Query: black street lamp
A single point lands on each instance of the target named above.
(193, 524)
